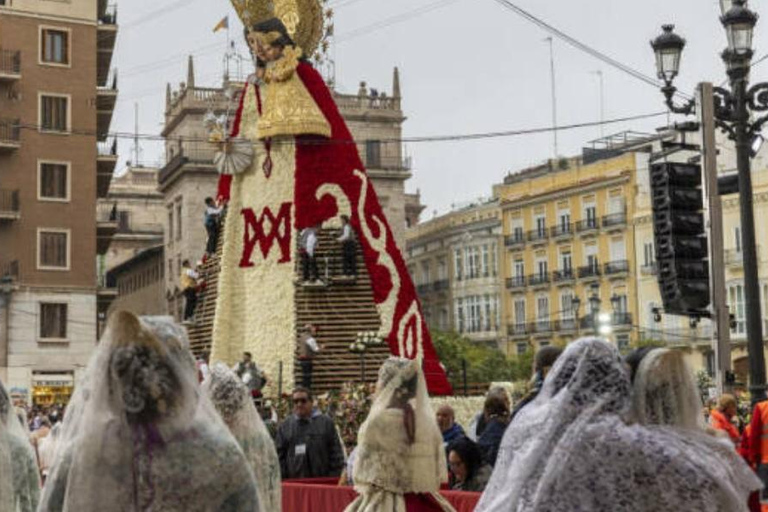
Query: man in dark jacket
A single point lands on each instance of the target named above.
(446, 420)
(307, 443)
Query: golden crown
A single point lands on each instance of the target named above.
(302, 18)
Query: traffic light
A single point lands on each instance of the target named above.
(679, 232)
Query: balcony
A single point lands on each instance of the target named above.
(734, 258)
(107, 36)
(9, 205)
(540, 279)
(566, 325)
(543, 326)
(621, 319)
(649, 270)
(106, 160)
(615, 221)
(106, 227)
(387, 163)
(106, 98)
(10, 273)
(589, 272)
(106, 292)
(516, 239)
(10, 65)
(538, 235)
(562, 231)
(441, 285)
(515, 282)
(563, 276)
(10, 134)
(518, 330)
(587, 226)
(616, 268)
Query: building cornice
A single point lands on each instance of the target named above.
(578, 188)
(7, 11)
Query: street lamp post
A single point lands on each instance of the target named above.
(594, 308)
(733, 116)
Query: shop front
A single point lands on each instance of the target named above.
(52, 388)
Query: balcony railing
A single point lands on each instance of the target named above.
(9, 203)
(536, 235)
(589, 271)
(107, 149)
(423, 289)
(10, 63)
(621, 319)
(566, 324)
(562, 230)
(615, 220)
(10, 131)
(516, 238)
(538, 279)
(389, 163)
(649, 269)
(10, 272)
(616, 267)
(106, 213)
(109, 16)
(515, 282)
(563, 275)
(517, 330)
(441, 285)
(541, 326)
(735, 258)
(586, 225)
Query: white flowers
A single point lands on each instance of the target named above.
(364, 340)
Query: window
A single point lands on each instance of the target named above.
(566, 305)
(566, 262)
(53, 249)
(53, 321)
(442, 270)
(53, 181)
(590, 212)
(520, 312)
(170, 225)
(458, 265)
(737, 238)
(373, 153)
(590, 256)
(54, 46)
(564, 221)
(541, 267)
(517, 232)
(736, 306)
(178, 221)
(622, 342)
(494, 260)
(542, 309)
(519, 268)
(170, 271)
(54, 113)
(123, 221)
(522, 348)
(486, 261)
(541, 225)
(460, 315)
(425, 273)
(472, 261)
(648, 254)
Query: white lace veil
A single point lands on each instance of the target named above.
(138, 435)
(19, 477)
(400, 377)
(232, 400)
(665, 392)
(570, 450)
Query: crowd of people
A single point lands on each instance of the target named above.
(596, 432)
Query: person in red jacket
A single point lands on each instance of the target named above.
(756, 448)
(720, 418)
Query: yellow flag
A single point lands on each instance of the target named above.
(224, 23)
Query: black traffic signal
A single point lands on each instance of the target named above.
(680, 235)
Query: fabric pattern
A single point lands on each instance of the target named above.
(570, 450)
(19, 478)
(389, 465)
(138, 435)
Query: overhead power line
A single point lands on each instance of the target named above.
(432, 138)
(582, 46)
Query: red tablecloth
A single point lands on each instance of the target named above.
(324, 495)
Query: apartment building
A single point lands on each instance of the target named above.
(57, 96)
(374, 118)
(454, 262)
(569, 256)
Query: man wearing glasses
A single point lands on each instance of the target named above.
(307, 443)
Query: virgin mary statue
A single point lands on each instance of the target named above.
(301, 170)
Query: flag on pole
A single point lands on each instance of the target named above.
(224, 23)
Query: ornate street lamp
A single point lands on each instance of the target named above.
(740, 114)
(739, 23)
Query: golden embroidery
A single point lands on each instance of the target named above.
(287, 107)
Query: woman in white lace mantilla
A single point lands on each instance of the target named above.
(19, 478)
(232, 400)
(400, 459)
(571, 450)
(139, 435)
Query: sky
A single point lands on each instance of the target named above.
(466, 66)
